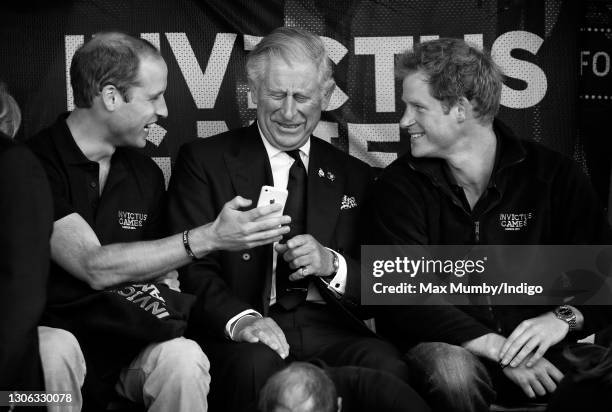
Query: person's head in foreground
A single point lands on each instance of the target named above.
(300, 387)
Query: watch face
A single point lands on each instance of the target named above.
(565, 312)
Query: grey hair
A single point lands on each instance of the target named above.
(10, 115)
(291, 44)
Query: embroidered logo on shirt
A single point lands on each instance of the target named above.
(514, 221)
(131, 220)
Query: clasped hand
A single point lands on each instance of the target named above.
(305, 254)
(537, 334)
(538, 379)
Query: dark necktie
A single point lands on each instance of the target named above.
(290, 294)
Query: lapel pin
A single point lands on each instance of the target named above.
(331, 176)
(321, 173)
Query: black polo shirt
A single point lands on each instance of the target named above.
(129, 209)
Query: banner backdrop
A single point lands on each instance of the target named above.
(542, 46)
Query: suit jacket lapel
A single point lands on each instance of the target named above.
(248, 164)
(326, 178)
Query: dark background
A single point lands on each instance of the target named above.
(572, 117)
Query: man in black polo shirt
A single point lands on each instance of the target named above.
(108, 203)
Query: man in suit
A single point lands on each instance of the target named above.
(298, 299)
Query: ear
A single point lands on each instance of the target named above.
(110, 97)
(327, 94)
(463, 108)
(253, 92)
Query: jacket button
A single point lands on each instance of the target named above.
(246, 256)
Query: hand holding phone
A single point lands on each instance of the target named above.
(272, 195)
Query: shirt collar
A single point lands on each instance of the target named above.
(274, 151)
(68, 148)
(72, 154)
(509, 151)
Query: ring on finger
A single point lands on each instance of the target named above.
(303, 272)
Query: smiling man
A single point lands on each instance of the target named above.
(463, 172)
(296, 300)
(109, 230)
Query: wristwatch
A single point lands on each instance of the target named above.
(567, 315)
(335, 263)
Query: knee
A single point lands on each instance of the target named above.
(257, 359)
(58, 342)
(61, 355)
(184, 359)
(395, 367)
(389, 362)
(446, 366)
(380, 355)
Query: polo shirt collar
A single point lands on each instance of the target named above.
(72, 155)
(67, 147)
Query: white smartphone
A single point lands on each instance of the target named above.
(269, 195)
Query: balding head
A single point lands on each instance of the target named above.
(300, 387)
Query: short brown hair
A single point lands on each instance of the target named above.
(456, 69)
(108, 58)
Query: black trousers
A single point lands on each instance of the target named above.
(313, 331)
(366, 390)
